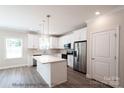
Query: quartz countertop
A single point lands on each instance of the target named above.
(45, 59)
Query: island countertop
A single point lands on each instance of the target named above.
(48, 59)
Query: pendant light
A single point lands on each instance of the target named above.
(48, 30)
(45, 37)
(48, 16)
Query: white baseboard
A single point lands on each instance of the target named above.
(120, 87)
(88, 76)
(14, 66)
(114, 84)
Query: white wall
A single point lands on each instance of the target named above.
(5, 63)
(104, 22)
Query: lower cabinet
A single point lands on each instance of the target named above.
(70, 61)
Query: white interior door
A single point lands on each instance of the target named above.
(104, 63)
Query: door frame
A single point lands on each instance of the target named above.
(116, 84)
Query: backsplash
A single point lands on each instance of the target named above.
(47, 52)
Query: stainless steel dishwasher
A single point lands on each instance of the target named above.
(34, 60)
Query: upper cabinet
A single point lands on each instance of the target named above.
(80, 35)
(84, 34)
(65, 40)
(33, 41)
(53, 42)
(77, 35)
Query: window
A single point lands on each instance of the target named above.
(13, 48)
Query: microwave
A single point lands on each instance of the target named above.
(67, 46)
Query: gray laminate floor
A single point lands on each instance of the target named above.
(28, 77)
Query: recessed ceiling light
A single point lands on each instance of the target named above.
(97, 13)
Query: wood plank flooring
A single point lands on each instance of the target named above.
(28, 77)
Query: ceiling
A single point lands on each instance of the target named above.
(64, 18)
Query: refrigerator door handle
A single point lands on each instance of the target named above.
(75, 54)
(78, 54)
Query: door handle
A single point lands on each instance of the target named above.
(93, 58)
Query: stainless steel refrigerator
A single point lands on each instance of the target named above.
(80, 56)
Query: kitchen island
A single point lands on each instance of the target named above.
(52, 69)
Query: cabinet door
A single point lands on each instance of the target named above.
(33, 41)
(70, 61)
(30, 41)
(76, 35)
(80, 35)
(53, 42)
(61, 42)
(83, 34)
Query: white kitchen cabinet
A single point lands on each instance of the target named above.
(30, 60)
(70, 61)
(36, 41)
(61, 42)
(83, 34)
(78, 35)
(53, 42)
(33, 41)
(65, 40)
